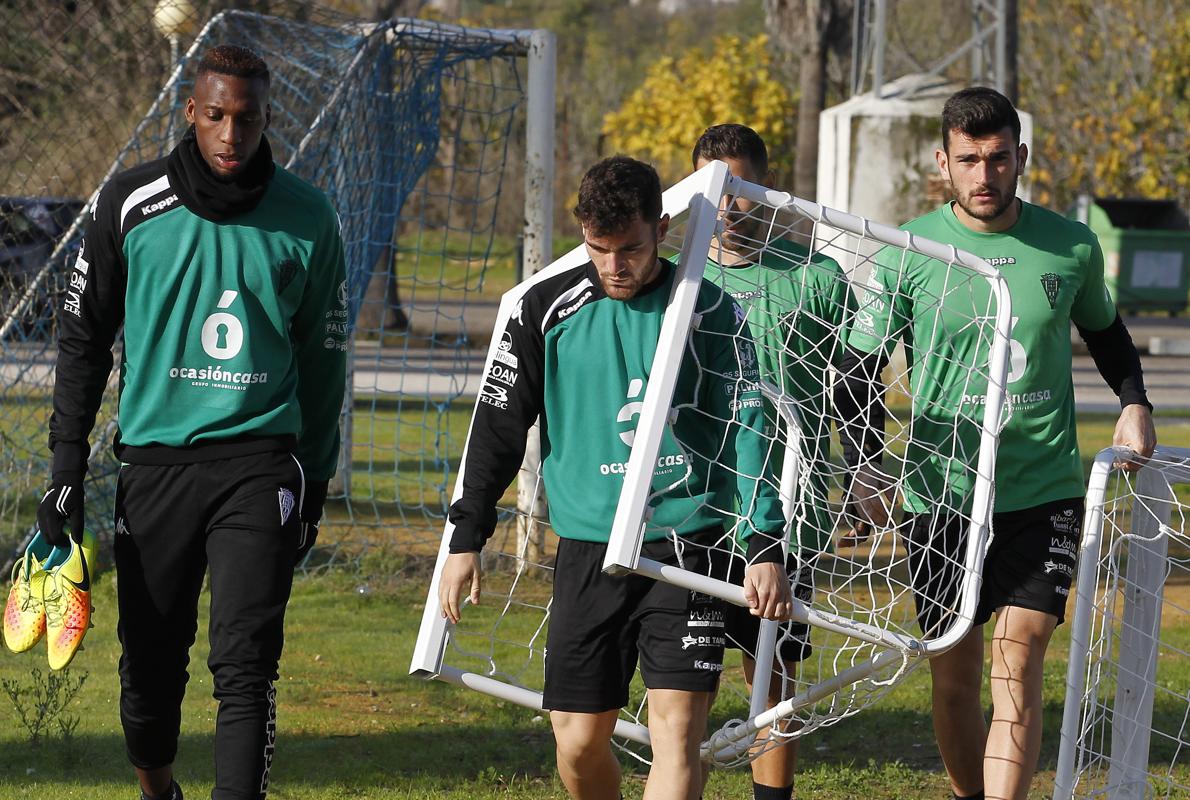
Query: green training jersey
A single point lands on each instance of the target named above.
(796, 306)
(1054, 271)
(232, 330)
(581, 361)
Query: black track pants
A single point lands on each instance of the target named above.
(238, 516)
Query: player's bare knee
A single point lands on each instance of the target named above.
(581, 753)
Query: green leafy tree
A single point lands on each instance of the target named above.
(1109, 84)
(682, 95)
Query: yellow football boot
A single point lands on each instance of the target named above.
(24, 614)
(66, 594)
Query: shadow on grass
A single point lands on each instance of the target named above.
(446, 756)
(431, 754)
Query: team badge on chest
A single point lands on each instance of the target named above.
(1052, 283)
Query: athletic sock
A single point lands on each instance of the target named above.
(174, 792)
(760, 792)
(977, 796)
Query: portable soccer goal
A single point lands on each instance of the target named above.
(1126, 719)
(863, 629)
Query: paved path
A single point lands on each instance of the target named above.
(419, 369)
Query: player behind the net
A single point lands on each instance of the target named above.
(1054, 272)
(577, 352)
(796, 306)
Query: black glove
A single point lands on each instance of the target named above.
(62, 506)
(310, 515)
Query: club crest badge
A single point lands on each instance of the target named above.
(1051, 282)
(285, 497)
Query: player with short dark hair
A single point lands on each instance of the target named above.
(1054, 271)
(796, 304)
(226, 272)
(577, 353)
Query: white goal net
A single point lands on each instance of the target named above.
(736, 441)
(1126, 722)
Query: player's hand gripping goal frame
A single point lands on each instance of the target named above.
(879, 654)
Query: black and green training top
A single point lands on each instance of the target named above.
(580, 360)
(235, 332)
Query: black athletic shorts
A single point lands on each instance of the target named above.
(743, 629)
(1029, 563)
(600, 624)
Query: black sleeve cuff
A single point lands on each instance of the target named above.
(465, 540)
(766, 548)
(70, 458)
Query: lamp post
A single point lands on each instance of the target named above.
(173, 20)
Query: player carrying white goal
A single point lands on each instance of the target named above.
(1054, 271)
(577, 351)
(796, 305)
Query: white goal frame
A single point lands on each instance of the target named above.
(1139, 626)
(699, 194)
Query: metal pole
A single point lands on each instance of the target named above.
(1002, 51)
(878, 59)
(538, 250)
(172, 109)
(979, 36)
(859, 46)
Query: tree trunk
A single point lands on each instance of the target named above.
(1011, 85)
(812, 84)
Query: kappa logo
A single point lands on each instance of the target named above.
(1051, 282)
(343, 294)
(285, 499)
(709, 666)
(122, 528)
(575, 306)
(159, 205)
(1001, 261)
(518, 312)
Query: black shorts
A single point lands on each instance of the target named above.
(1029, 563)
(600, 624)
(743, 629)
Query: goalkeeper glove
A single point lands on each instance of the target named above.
(310, 515)
(62, 506)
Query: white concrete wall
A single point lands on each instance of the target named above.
(876, 160)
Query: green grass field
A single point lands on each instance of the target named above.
(353, 725)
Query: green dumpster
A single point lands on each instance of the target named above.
(1146, 251)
